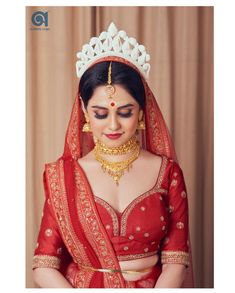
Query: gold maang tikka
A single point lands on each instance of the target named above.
(110, 89)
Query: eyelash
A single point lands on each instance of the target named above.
(126, 115)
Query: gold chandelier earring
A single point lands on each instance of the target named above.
(86, 126)
(141, 123)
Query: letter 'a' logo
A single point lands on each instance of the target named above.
(39, 18)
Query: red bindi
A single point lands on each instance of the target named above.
(112, 104)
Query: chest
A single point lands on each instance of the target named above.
(140, 228)
(131, 185)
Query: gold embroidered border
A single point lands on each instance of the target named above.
(46, 261)
(133, 204)
(73, 131)
(56, 185)
(112, 214)
(155, 189)
(135, 256)
(83, 278)
(175, 257)
(162, 171)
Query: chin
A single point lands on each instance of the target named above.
(115, 142)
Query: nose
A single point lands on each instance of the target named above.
(114, 123)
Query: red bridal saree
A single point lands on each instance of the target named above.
(80, 232)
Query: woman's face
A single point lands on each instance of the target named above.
(113, 120)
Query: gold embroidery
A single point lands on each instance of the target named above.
(111, 212)
(136, 256)
(60, 205)
(162, 171)
(180, 225)
(73, 133)
(48, 232)
(156, 189)
(174, 182)
(155, 124)
(183, 194)
(59, 202)
(171, 209)
(175, 257)
(46, 261)
(59, 250)
(83, 278)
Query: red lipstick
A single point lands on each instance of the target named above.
(113, 135)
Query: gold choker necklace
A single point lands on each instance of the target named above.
(116, 169)
(124, 149)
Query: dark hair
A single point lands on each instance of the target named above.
(122, 75)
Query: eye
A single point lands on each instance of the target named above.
(100, 115)
(125, 114)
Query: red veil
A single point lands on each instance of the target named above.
(156, 138)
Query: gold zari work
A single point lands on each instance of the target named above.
(175, 257)
(46, 261)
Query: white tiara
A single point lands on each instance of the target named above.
(113, 43)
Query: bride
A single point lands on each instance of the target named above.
(116, 211)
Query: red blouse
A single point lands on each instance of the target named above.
(155, 222)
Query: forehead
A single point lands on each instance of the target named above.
(121, 96)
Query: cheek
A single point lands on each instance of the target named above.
(97, 125)
(131, 124)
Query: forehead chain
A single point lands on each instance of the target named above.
(110, 89)
(110, 73)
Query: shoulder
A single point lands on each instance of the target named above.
(166, 162)
(169, 166)
(147, 156)
(173, 170)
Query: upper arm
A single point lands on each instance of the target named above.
(175, 249)
(50, 247)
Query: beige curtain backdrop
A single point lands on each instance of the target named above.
(180, 43)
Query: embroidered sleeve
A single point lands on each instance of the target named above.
(50, 247)
(46, 261)
(175, 248)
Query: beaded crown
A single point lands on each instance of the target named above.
(113, 43)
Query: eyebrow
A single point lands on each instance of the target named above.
(121, 107)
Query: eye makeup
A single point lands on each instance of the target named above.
(98, 116)
(125, 114)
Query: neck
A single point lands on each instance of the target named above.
(115, 161)
(119, 153)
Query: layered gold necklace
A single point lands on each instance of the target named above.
(116, 169)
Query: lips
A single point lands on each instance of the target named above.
(113, 135)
